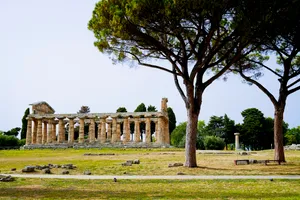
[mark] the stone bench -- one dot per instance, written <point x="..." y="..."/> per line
<point x="242" y="162"/>
<point x="271" y="161"/>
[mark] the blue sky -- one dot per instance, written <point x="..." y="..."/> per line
<point x="47" y="54"/>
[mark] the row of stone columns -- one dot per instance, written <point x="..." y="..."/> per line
<point x="43" y="131"/>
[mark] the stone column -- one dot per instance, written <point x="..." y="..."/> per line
<point x="49" y="133"/>
<point x="92" y="131"/>
<point x="166" y="131"/>
<point x="237" y="142"/>
<point x="44" y="134"/>
<point x="54" y="139"/>
<point x="61" y="130"/>
<point x="108" y="131"/>
<point x="164" y="105"/>
<point x="99" y="131"/>
<point x="103" y="130"/>
<point x="159" y="131"/>
<point x="81" y="130"/>
<point x="39" y="131"/>
<point x="29" y="131"/>
<point x="34" y="133"/>
<point x="114" y="130"/>
<point x="126" y="130"/>
<point x="71" y="131"/>
<point x="148" y="130"/>
<point x="156" y="129"/>
<point x="118" y="132"/>
<point x="137" y="132"/>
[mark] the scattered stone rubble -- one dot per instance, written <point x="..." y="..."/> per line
<point x="99" y="154"/>
<point x="292" y="147"/>
<point x="46" y="169"/>
<point x="175" y="164"/>
<point x="87" y="172"/>
<point x="6" y="178"/>
<point x="130" y="162"/>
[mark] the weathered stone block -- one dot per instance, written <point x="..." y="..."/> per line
<point x="175" y="165"/>
<point x="65" y="172"/>
<point x="136" y="161"/>
<point x="28" y="169"/>
<point x="46" y="171"/>
<point x="6" y="178"/>
<point x="87" y="172"/>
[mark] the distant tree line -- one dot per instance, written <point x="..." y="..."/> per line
<point x="256" y="132"/>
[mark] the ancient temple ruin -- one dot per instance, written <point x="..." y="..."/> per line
<point x="46" y="129"/>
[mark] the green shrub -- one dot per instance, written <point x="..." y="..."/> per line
<point x="178" y="135"/>
<point x="22" y="142"/>
<point x="213" y="143"/>
<point x="8" y="140"/>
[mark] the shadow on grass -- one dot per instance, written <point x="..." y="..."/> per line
<point x="49" y="193"/>
<point x="212" y="168"/>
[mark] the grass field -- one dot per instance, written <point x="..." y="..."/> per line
<point x="153" y="162"/>
<point x="150" y="189"/>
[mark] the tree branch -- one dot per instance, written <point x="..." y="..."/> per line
<point x="295" y="82"/>
<point x="260" y="86"/>
<point x="178" y="87"/>
<point x="294" y="90"/>
<point x="152" y="66"/>
<point x="268" y="68"/>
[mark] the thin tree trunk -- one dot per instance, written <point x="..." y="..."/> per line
<point x="191" y="137"/>
<point x="278" y="134"/>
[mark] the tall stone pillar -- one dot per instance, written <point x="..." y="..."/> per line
<point x="54" y="139"/>
<point x="103" y="130"/>
<point x="237" y="141"/>
<point x="61" y="130"/>
<point x="39" y="131"/>
<point x="156" y="128"/>
<point x="81" y="130"/>
<point x="92" y="131"/>
<point x="118" y="139"/>
<point x="164" y="105"/>
<point x="109" y="131"/>
<point x="114" y="130"/>
<point x="148" y="130"/>
<point x="137" y="132"/>
<point x="45" y="131"/>
<point x="126" y="130"/>
<point x="71" y="131"/>
<point x="34" y="133"/>
<point x="166" y="131"/>
<point x="99" y="131"/>
<point x="29" y="131"/>
<point x="49" y="132"/>
<point x="159" y="131"/>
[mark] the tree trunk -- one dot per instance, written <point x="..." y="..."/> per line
<point x="191" y="137"/>
<point x="278" y="134"/>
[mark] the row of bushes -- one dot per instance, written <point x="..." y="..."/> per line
<point x="10" y="141"/>
<point x="206" y="142"/>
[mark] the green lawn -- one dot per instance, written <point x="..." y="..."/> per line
<point x="153" y="162"/>
<point x="150" y="189"/>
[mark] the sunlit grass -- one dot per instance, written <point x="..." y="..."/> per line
<point x="150" y="189"/>
<point x="153" y="162"/>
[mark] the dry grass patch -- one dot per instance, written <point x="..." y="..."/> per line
<point x="153" y="162"/>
